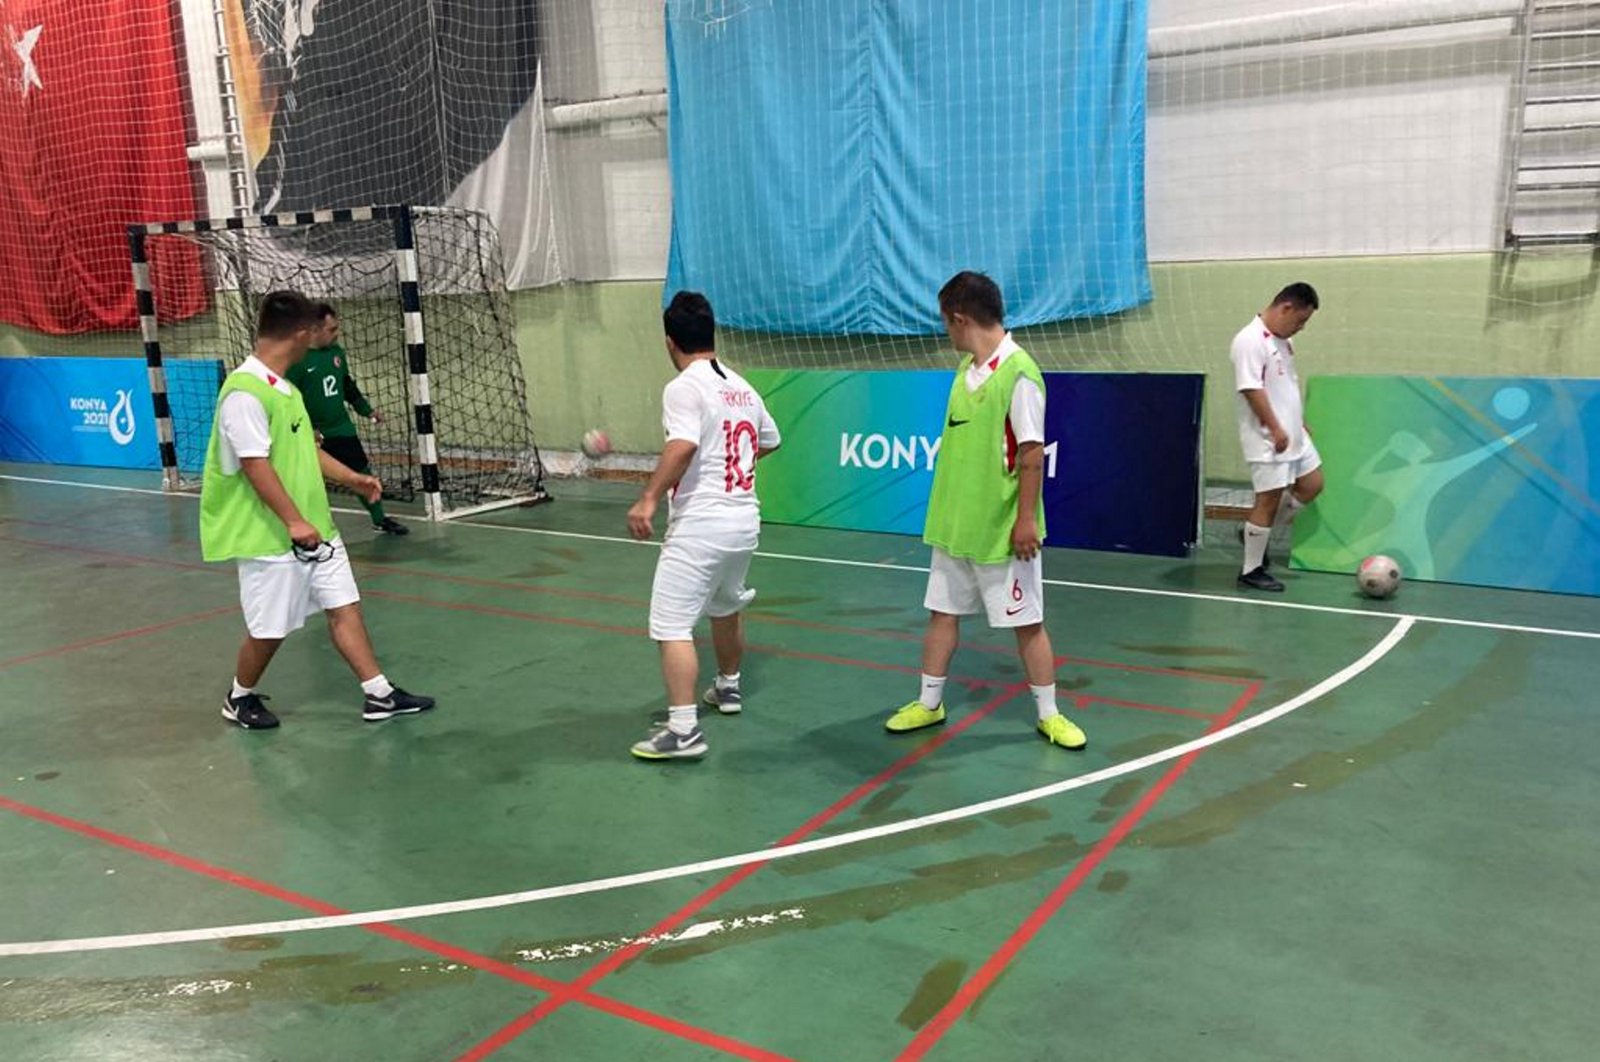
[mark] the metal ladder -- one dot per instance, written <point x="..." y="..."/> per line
<point x="1552" y="196"/>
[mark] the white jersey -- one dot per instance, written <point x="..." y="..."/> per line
<point x="712" y="406"/>
<point x="1025" y="423"/>
<point x="1265" y="362"/>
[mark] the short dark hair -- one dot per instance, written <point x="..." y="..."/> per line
<point x="1300" y="295"/>
<point x="325" y="310"/>
<point x="974" y="295"/>
<point x="690" y="324"/>
<point x="283" y="313"/>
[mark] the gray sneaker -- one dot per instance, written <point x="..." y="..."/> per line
<point x="728" y="702"/>
<point x="663" y="744"/>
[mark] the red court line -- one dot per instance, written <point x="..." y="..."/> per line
<point x="440" y="948"/>
<point x="1086" y="699"/>
<point x="108" y="639"/>
<point x="640" y="632"/>
<point x="131" y="557"/>
<point x="756" y="615"/>
<point x="618" y="959"/>
<point x="980" y="981"/>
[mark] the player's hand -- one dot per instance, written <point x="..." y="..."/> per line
<point x="370" y="488"/>
<point x="641" y="518"/>
<point x="1280" y="440"/>
<point x="377" y="416"/>
<point x="1025" y="538"/>
<point x="303" y="534"/>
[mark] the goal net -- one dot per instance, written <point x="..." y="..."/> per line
<point x="426" y="325"/>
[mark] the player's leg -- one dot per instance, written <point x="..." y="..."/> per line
<point x="334" y="591"/>
<point x="243" y="705"/>
<point x="678" y="598"/>
<point x="275" y="597"/>
<point x="1013" y="597"/>
<point x="1308" y="481"/>
<point x="952" y="593"/>
<point x="1270" y="479"/>
<point x="348" y="451"/>
<point x="728" y="602"/>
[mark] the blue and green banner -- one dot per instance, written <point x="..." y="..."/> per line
<point x="1122" y="454"/>
<point x="1481" y="480"/>
<point x="98" y="411"/>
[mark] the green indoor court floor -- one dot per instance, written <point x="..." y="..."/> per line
<point x="1390" y="850"/>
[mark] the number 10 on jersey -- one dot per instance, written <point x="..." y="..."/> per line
<point x="739" y="472"/>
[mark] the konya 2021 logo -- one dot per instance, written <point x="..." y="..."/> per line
<point x="117" y="420"/>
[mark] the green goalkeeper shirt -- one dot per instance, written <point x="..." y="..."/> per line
<point x="324" y="380"/>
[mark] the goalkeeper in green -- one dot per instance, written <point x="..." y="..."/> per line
<point x="325" y="382"/>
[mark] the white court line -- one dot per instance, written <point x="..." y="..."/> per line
<point x="1189" y="595"/>
<point x="764" y="855"/>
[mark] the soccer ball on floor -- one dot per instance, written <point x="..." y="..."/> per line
<point x="596" y="443"/>
<point x="1378" y="576"/>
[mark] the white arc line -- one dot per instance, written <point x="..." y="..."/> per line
<point x="623" y="881"/>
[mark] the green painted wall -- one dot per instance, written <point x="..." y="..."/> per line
<point x="594" y="357"/>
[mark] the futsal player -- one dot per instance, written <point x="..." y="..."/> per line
<point x="717" y="428"/>
<point x="263" y="505"/>
<point x="985" y="515"/>
<point x="327" y="386"/>
<point x="1285" y="468"/>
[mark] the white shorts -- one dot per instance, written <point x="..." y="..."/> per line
<point x="1010" y="593"/>
<point x="698" y="576"/>
<point x="278" y="593"/>
<point x="1276" y="475"/>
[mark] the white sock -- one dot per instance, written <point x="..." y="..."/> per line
<point x="728" y="682"/>
<point x="240" y="691"/>
<point x="682" y="719"/>
<point x="1289" y="508"/>
<point x="1044" y="699"/>
<point x="932" y="694"/>
<point x="377" y="686"/>
<point x="1255" y="546"/>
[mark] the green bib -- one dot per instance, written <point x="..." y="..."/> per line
<point x="234" y="521"/>
<point x="973" y="506"/>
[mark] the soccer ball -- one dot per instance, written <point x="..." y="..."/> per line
<point x="1378" y="576"/>
<point x="596" y="443"/>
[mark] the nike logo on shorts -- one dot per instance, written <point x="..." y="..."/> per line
<point x="954" y="423"/>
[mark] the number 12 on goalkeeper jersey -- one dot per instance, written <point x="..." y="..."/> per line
<point x="715" y="408"/>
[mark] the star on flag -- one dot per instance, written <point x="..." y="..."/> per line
<point x="23" y="45"/>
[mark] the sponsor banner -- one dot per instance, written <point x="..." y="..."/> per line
<point x="1122" y="454"/>
<point x="1491" y="481"/>
<point x="98" y="411"/>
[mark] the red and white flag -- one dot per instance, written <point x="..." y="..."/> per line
<point x="94" y="119"/>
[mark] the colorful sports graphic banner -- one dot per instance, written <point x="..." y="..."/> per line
<point x="98" y="411"/>
<point x="1488" y="481"/>
<point x="1122" y="455"/>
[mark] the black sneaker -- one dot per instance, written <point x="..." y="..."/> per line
<point x="1261" y="580"/>
<point x="248" y="711"/>
<point x="391" y="526"/>
<point x="399" y="702"/>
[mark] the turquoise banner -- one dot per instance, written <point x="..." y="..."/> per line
<point x="98" y="411"/>
<point x="1488" y="481"/>
<point x="859" y="450"/>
